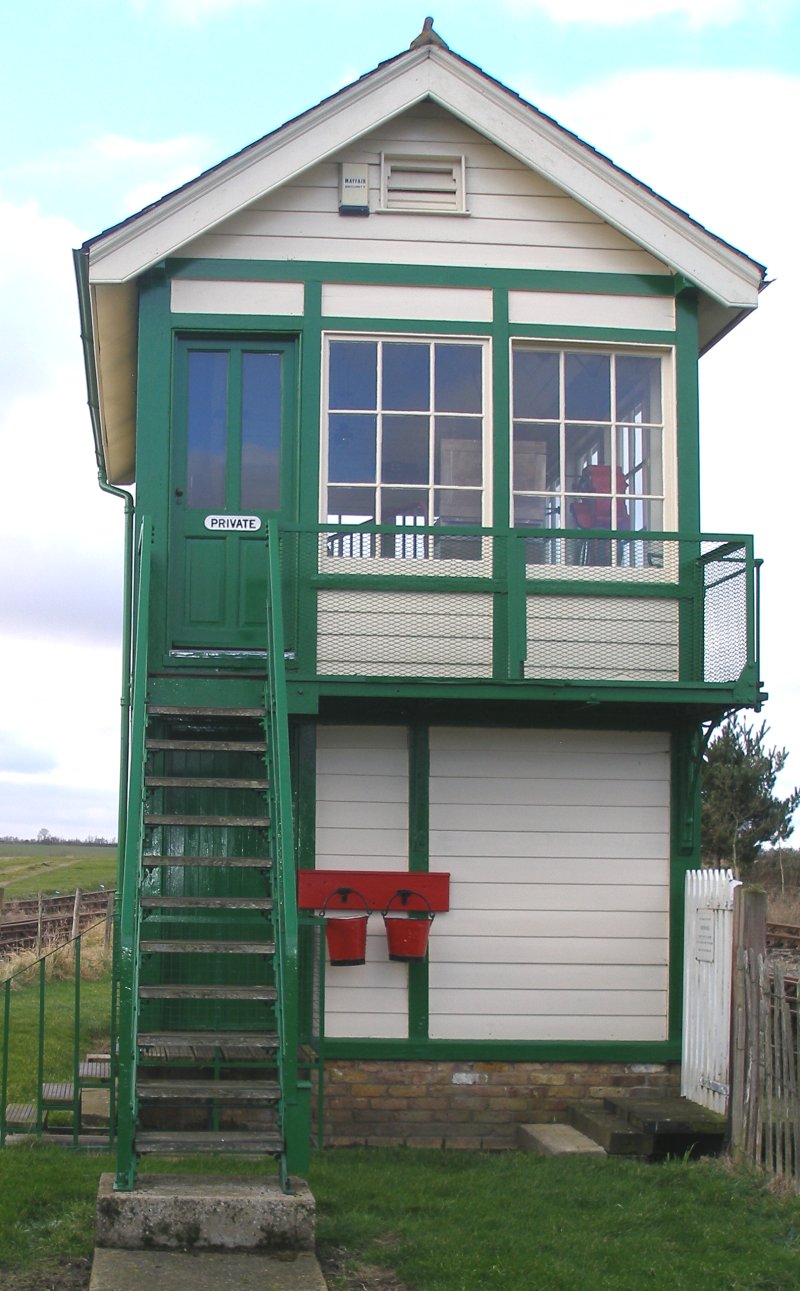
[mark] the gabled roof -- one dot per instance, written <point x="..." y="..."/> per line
<point x="728" y="280"/>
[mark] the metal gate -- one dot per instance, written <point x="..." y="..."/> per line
<point x="707" y="973"/>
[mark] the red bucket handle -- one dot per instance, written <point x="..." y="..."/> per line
<point x="405" y="895"/>
<point x="344" y="893"/>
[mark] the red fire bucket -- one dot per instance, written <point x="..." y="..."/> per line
<point x="407" y="930"/>
<point x="346" y="931"/>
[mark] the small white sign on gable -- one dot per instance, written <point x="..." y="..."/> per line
<point x="233" y="524"/>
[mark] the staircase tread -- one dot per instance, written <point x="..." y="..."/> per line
<point x="222" y="862"/>
<point x="209" y="746"/>
<point x="20" y="1113"/>
<point x="197" y="991"/>
<point x="157" y="945"/>
<point x="220" y="822"/>
<point x="58" y="1091"/>
<point x="204" y="782"/>
<point x="177" y="710"/>
<point x="237" y="1091"/>
<point x="95" y="1069"/>
<point x="668" y="1115"/>
<point x="242" y="1141"/>
<point x="208" y="1039"/>
<point x="207" y="903"/>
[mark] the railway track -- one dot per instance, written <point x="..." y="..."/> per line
<point x="783" y="935"/>
<point x="21" y="926"/>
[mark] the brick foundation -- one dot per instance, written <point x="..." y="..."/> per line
<point x="467" y="1104"/>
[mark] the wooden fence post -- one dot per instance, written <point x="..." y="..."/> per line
<point x="39" y="925"/>
<point x="749" y="945"/>
<point x="76" y="914"/>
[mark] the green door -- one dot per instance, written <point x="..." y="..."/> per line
<point x="231" y="469"/>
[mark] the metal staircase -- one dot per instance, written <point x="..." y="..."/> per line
<point x="208" y="1047"/>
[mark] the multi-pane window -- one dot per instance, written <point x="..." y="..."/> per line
<point x="588" y="445"/>
<point x="405" y="432"/>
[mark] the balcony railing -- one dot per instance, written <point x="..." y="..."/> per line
<point x="562" y="607"/>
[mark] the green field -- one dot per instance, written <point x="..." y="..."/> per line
<point x="28" y="868"/>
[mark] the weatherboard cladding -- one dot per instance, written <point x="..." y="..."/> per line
<point x="557" y="843"/>
<point x="516" y="217"/>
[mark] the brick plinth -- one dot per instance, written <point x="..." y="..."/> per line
<point x="468" y="1104"/>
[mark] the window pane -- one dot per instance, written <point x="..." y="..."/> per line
<point x="535" y="384"/>
<point x="459" y="378"/>
<point x="404" y="506"/>
<point x="353" y="374"/>
<point x="405" y="450"/>
<point x="351" y="506"/>
<point x="638" y="388"/>
<point x="459" y="451"/>
<point x="206" y="438"/>
<point x="587" y="380"/>
<point x="261" y="432"/>
<point x="458" y="506"/>
<point x="351" y="448"/>
<point x="406" y="377"/>
<point x="536" y="458"/>
<point x="587" y="447"/>
<point x="639" y="459"/>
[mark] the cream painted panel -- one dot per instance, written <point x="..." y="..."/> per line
<point x="357" y="301"/>
<point x="579" y="310"/>
<point x="463" y="952"/>
<point x="206" y="296"/>
<point x="542" y="1027"/>
<point x="546" y="977"/>
<point x="602" y="941"/>
<point x="404" y="634"/>
<point x="362" y="823"/>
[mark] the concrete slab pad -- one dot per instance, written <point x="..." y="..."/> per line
<point x="557" y="1141"/>
<point x="205" y="1271"/>
<point x="191" y="1212"/>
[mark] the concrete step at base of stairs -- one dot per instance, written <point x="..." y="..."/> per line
<point x="615" y="1134"/>
<point x="556" y="1140"/>
<point x="677" y="1125"/>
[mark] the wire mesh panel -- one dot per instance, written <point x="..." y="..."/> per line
<point x="408" y="634"/>
<point x="726" y="579"/>
<point x="608" y="638"/>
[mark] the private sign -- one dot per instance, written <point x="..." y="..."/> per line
<point x="243" y="524"/>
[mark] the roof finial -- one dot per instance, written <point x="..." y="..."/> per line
<point x="428" y="37"/>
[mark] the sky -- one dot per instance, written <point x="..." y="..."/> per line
<point x="108" y="104"/>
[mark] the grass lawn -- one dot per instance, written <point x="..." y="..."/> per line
<point x="28" y="868"/>
<point x="466" y="1221"/>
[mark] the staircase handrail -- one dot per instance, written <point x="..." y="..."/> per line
<point x="130" y="879"/>
<point x="283" y="860"/>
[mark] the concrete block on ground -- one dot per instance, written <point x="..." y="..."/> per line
<point x="557" y="1141"/>
<point x="209" y="1213"/>
<point x="115" y="1270"/>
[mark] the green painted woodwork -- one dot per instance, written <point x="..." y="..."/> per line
<point x="418" y="861"/>
<point x="216" y="580"/>
<point x="506" y="1051"/>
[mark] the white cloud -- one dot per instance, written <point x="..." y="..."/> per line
<point x="617" y="13"/>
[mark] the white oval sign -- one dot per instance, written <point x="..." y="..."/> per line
<point x="242" y="524"/>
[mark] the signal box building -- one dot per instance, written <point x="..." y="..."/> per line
<point x="418" y="600"/>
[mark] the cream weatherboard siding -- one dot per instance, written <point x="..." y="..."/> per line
<point x="362" y="824"/>
<point x="558" y="847"/>
<point x="514" y="216"/>
<point x="608" y="638"/>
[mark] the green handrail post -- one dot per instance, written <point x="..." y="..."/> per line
<point x="40" y="1052"/>
<point x="295" y="1101"/>
<point x="4" y="1073"/>
<point x="128" y="961"/>
<point x="76" y="1046"/>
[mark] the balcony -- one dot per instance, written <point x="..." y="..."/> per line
<point x="569" y="613"/>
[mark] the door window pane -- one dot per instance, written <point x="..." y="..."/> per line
<point x="207" y="429"/>
<point x="261" y="432"/>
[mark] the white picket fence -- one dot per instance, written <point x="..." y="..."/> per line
<point x="707" y="975"/>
